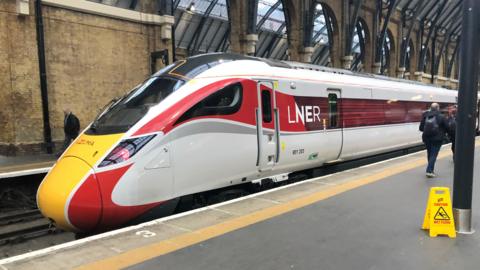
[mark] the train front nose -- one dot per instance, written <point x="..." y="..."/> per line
<point x="58" y="199"/>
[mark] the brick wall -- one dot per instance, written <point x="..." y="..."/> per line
<point x="90" y="60"/>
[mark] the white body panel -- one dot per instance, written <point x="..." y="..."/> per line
<point x="200" y="157"/>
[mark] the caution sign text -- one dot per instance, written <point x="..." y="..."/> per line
<point x="438" y="215"/>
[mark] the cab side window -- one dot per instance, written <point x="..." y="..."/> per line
<point x="223" y="102"/>
<point x="266" y="106"/>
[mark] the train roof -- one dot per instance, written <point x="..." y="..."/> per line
<point x="298" y="65"/>
<point x="194" y="66"/>
<point x="191" y="67"/>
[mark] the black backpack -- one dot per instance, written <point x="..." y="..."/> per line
<point x="452" y="125"/>
<point x="431" y="126"/>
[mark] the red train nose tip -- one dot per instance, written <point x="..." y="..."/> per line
<point x="85" y="208"/>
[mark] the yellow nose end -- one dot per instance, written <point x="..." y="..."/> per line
<point x="57" y="188"/>
<point x="68" y="173"/>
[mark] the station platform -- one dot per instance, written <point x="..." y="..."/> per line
<point x="365" y="218"/>
<point x="25" y="165"/>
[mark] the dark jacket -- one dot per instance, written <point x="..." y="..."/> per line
<point x="71" y="125"/>
<point x="442" y="124"/>
<point x="451" y="127"/>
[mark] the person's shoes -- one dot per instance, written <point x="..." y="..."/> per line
<point x="431" y="175"/>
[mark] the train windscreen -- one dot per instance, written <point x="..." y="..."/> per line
<point x="123" y="113"/>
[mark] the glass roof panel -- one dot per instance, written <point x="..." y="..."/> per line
<point x="320" y="32"/>
<point x="220" y="10"/>
<point x="276" y="18"/>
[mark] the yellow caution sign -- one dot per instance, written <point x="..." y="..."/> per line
<point x="438" y="215"/>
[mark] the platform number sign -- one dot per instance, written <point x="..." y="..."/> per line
<point x="145" y="233"/>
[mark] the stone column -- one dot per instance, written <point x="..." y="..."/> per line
<point x="347" y="61"/>
<point x="242" y="41"/>
<point x="23" y="7"/>
<point x="306" y="54"/>
<point x="377" y="66"/>
<point x="401" y="72"/>
<point x="250" y="44"/>
<point x="166" y="27"/>
<point x="418" y="76"/>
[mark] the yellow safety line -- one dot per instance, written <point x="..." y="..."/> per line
<point x="163" y="247"/>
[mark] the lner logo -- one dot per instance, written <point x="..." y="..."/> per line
<point x="305" y="114"/>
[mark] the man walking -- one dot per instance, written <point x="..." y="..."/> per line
<point x="71" y="127"/>
<point x="452" y="125"/>
<point x="433" y="126"/>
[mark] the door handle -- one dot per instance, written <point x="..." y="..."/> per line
<point x="277" y="134"/>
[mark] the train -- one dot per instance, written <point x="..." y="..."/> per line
<point x="219" y="120"/>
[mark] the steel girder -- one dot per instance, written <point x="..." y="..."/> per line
<point x="176" y="22"/>
<point x="286" y="13"/>
<point x="267" y="15"/>
<point x="327" y="25"/>
<point x="446" y="41"/>
<point x="423" y="48"/>
<point x="194" y="43"/>
<point x="324" y="52"/>
<point x="133" y="4"/>
<point x="319" y="33"/>
<point x="274" y="42"/>
<point x="406" y="38"/>
<point x="175" y="4"/>
<point x="165" y="7"/>
<point x="452" y="59"/>
<point x="328" y="14"/>
<point x="265" y="18"/>
<point x="220" y="24"/>
<point x="252" y="16"/>
<point x="361" y="43"/>
<point x="351" y="27"/>
<point x="386" y="51"/>
<point x="308" y="12"/>
<point x="223" y="43"/>
<point x="383" y="33"/>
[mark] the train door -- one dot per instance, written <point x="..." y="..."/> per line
<point x="268" y="130"/>
<point x="334" y="123"/>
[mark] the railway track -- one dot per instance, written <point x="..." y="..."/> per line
<point x="21" y="225"/>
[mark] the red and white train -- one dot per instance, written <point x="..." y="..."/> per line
<point x="218" y="120"/>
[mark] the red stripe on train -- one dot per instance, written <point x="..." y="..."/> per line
<point x="297" y="113"/>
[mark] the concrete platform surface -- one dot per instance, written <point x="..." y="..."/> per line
<point x="365" y="218"/>
<point x="25" y="165"/>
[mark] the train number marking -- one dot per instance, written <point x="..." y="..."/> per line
<point x="146" y="233"/>
<point x="87" y="142"/>
<point x="298" y="152"/>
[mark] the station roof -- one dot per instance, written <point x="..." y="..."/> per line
<point x="203" y="25"/>
<point x="443" y="14"/>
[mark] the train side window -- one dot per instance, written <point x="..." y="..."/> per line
<point x="223" y="102"/>
<point x="266" y="106"/>
<point x="332" y="111"/>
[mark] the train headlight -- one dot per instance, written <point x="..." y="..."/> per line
<point x="125" y="150"/>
